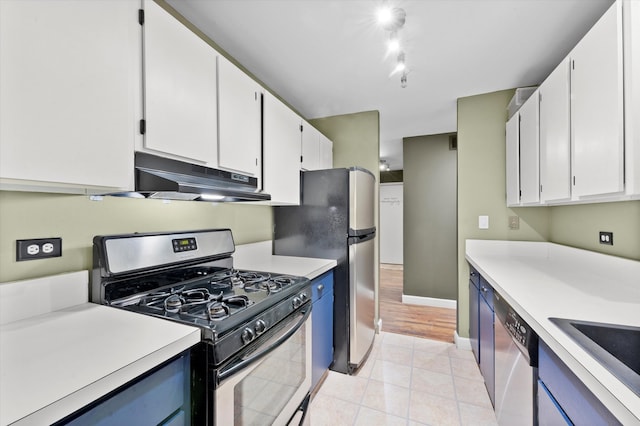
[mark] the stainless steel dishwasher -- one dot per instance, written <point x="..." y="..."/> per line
<point x="516" y="367"/>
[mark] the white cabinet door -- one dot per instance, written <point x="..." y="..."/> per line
<point x="529" y="154"/>
<point x="513" y="160"/>
<point x="597" y="108"/>
<point x="69" y="85"/>
<point x="239" y="109"/>
<point x="310" y="147"/>
<point x="281" y="173"/>
<point x="632" y="96"/>
<point x="555" y="135"/>
<point x="180" y="90"/>
<point x="326" y="152"/>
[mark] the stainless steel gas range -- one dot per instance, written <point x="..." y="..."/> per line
<point x="254" y="363"/>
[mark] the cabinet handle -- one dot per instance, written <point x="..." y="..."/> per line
<point x="484" y="289"/>
<point x="320" y="287"/>
<point x="473" y="274"/>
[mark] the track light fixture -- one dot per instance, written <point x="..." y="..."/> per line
<point x="393" y="19"/>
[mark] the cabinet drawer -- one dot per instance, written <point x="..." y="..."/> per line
<point x="474" y="276"/>
<point x="486" y="291"/>
<point x="322" y="285"/>
<point x="575" y="399"/>
<point x="159" y="398"/>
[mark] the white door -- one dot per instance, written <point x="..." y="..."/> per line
<point x="391" y="226"/>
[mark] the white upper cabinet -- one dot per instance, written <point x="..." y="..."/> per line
<point x="239" y="120"/>
<point x="513" y="160"/>
<point x="281" y="169"/>
<point x="180" y="90"/>
<point x="631" y="10"/>
<point x="326" y="152"/>
<point x="317" y="149"/>
<point x="70" y="89"/>
<point x="555" y="135"/>
<point x="310" y="147"/>
<point x="597" y="108"/>
<point x="529" y="151"/>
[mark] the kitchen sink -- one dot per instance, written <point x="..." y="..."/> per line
<point x="616" y="347"/>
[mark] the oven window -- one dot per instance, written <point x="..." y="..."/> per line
<point x="261" y="396"/>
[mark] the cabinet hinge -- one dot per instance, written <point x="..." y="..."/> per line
<point x="541" y="189"/>
<point x="141" y="16"/>
<point x="573" y="64"/>
<point x="143" y="127"/>
<point x="301" y="159"/>
<point x="540" y="99"/>
<point x="520" y="193"/>
<point x="301" y="128"/>
<point x="574" y="181"/>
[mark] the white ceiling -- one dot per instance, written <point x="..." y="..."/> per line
<point x="328" y="57"/>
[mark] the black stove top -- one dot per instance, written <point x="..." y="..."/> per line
<point x="217" y="299"/>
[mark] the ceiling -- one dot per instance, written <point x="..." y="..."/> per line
<point x="329" y="57"/>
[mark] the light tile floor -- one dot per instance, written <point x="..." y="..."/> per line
<point x="406" y="381"/>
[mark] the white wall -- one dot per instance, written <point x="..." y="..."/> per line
<point x="391" y="205"/>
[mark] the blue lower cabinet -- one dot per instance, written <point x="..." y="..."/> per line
<point x="549" y="411"/>
<point x="572" y="397"/>
<point x="322" y="327"/>
<point x="163" y="397"/>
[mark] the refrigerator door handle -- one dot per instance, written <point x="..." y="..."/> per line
<point x="361" y="238"/>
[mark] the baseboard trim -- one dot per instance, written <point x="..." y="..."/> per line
<point x="461" y="342"/>
<point x="429" y="301"/>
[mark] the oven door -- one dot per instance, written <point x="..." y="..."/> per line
<point x="267" y="383"/>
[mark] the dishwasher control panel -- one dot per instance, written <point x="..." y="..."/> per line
<point x="520" y="331"/>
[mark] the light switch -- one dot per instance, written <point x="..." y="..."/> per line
<point x="483" y="222"/>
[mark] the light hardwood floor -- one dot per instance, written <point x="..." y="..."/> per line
<point x="412" y="320"/>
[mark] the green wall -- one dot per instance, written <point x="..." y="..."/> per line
<point x="481" y="191"/>
<point x="579" y="225"/>
<point x="481" y="186"/>
<point x="356" y="142"/>
<point x="76" y="219"/>
<point x="430" y="218"/>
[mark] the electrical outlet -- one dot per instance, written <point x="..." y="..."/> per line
<point x="40" y="248"/>
<point x="606" y="238"/>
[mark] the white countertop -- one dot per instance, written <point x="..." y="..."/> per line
<point x="257" y="256"/>
<point x="56" y="362"/>
<point x="543" y="280"/>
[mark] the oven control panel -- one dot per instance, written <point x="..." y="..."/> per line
<point x="251" y="330"/>
<point x="184" y="244"/>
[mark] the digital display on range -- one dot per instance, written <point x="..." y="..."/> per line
<point x="184" y="244"/>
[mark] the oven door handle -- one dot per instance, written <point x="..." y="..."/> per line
<point x="284" y="335"/>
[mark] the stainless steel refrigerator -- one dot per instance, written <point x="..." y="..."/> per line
<point x="335" y="220"/>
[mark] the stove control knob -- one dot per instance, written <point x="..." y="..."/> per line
<point x="303" y="297"/>
<point x="296" y="302"/>
<point x="248" y="335"/>
<point x="260" y="326"/>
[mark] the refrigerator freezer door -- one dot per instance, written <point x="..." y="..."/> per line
<point x="361" y="300"/>
<point x="361" y="201"/>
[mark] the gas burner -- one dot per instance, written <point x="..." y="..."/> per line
<point x="173" y="303"/>
<point x="271" y="286"/>
<point x="217" y="311"/>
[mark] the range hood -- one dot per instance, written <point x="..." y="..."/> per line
<point x="158" y="177"/>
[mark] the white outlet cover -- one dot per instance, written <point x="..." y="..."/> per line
<point x="483" y="222"/>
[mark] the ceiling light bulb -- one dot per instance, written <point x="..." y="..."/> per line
<point x="384" y="15"/>
<point x="394" y="42"/>
<point x="391" y="18"/>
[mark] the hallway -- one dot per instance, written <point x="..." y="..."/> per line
<point x="413" y="320"/>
